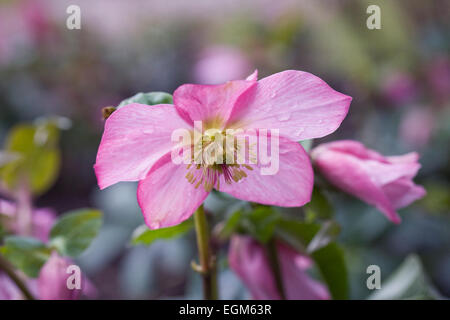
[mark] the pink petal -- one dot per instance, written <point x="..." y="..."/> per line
<point x="350" y="175"/>
<point x="385" y="173"/>
<point x="135" y="137"/>
<point x="403" y="192"/>
<point x="211" y="104"/>
<point x="52" y="281"/>
<point x="351" y="147"/>
<point x="253" y="76"/>
<point x="249" y="260"/>
<point x="291" y="186"/>
<point x="165" y="195"/>
<point x="298" y="285"/>
<point x="298" y="103"/>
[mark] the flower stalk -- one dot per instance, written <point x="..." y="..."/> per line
<point x="7" y="268"/>
<point x="275" y="266"/>
<point x="207" y="267"/>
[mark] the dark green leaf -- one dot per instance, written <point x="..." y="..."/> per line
<point x="331" y="263"/>
<point x="144" y="235"/>
<point x="74" y="232"/>
<point x="318" y="207"/>
<point x="327" y="233"/>
<point x="261" y="223"/>
<point x="150" y="98"/>
<point x="26" y="254"/>
<point x="231" y="224"/>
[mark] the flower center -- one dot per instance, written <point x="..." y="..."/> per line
<point x="215" y="153"/>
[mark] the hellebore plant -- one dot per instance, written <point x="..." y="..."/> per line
<point x="137" y="146"/>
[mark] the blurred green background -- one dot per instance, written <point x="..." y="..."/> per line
<point x="398" y="76"/>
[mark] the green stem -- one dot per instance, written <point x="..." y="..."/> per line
<point x="207" y="261"/>
<point x="275" y="266"/>
<point x="6" y="267"/>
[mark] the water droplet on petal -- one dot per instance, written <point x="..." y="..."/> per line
<point x="284" y="117"/>
<point x="155" y="225"/>
<point x="299" y="132"/>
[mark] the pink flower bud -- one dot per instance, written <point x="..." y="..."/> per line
<point x="384" y="182"/>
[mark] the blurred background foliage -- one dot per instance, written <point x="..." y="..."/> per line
<point x="398" y="76"/>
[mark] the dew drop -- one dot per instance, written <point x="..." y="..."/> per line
<point x="155" y="225"/>
<point x="299" y="131"/>
<point x="284" y="117"/>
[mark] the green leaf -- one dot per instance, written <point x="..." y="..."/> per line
<point x="409" y="281"/>
<point x="150" y="98"/>
<point x="319" y="206"/>
<point x="38" y="159"/>
<point x="26" y="254"/>
<point x="74" y="232"/>
<point x="331" y="263"/>
<point x="261" y="223"/>
<point x="231" y="225"/>
<point x="329" y="258"/>
<point x="146" y="236"/>
<point x="327" y="233"/>
<point x="298" y="234"/>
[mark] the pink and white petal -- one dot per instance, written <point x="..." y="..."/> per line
<point x="165" y="195"/>
<point x="298" y="103"/>
<point x="135" y="137"/>
<point x="350" y="175"/>
<point x="403" y="192"/>
<point x="211" y="104"/>
<point x="290" y="186"/>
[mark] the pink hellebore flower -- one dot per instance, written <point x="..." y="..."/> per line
<point x="41" y="220"/>
<point x="249" y="260"/>
<point x="136" y="143"/>
<point x="385" y="182"/>
<point x="53" y="277"/>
